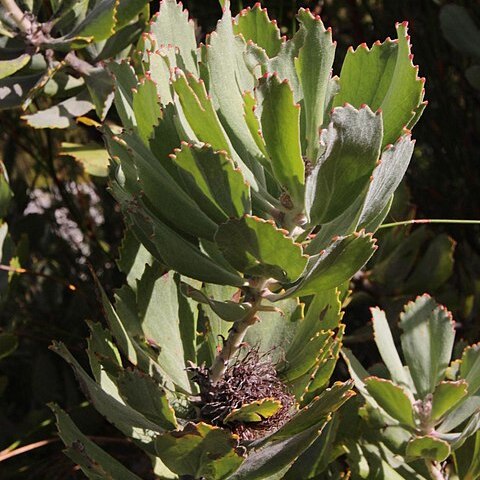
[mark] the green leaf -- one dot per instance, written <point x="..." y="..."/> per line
<point x="144" y="395"/>
<point x="333" y="266"/>
<point x="8" y="344"/>
<point x="284" y="63"/>
<point x="255" y="25"/>
<point x="316" y="459"/>
<point x="125" y="82"/>
<point x="99" y="24"/>
<point x="9" y="67"/>
<point x="199" y="111"/>
<point x="125" y="418"/>
<point x="386" y="178"/>
<point x="170" y="26"/>
<point x="313" y="335"/>
<point x="428" y="447"/>
<point x="323" y="313"/>
<point x="314" y="65"/>
<point x="93" y="158"/>
<point x="275" y="329"/>
<point x="167" y="198"/>
<point x="127" y="10"/>
<point x="392" y="399"/>
<point x="358" y="374"/>
<point x="121" y="323"/>
<point x="427" y="342"/>
<point x="61" y="115"/>
<point x="183" y="256"/>
<point x="100" y="86"/>
<point x="255" y="411"/>
<point x="446" y="396"/>
<point x="460" y="30"/>
<point x="465" y="411"/>
<point x="165" y="320"/>
<point x="470" y="368"/>
<point x="319" y="409"/>
<point x="386" y="347"/>
<point x="271" y="460"/>
<point x="146" y="107"/>
<point x="133" y="257"/>
<point x="121" y="40"/>
<point x="228" y="310"/>
<point x="229" y="78"/>
<point x="214" y="181"/>
<point x="104" y="358"/>
<point x="95" y="463"/>
<point x="280" y="120"/>
<point x="253" y="124"/>
<point x="385" y="78"/>
<point x="200" y="450"/>
<point x="256" y="247"/>
<point x="343" y="172"/>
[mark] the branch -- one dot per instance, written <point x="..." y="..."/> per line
<point x="233" y="343"/>
<point x="434" y="470"/>
<point x="17" y="15"/>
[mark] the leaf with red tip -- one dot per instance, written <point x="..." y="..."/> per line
<point x="428" y="448"/>
<point x="257" y="247"/>
<point x="199" y="111"/>
<point x="385" y="78"/>
<point x="427" y="342"/>
<point x="386" y="178"/>
<point x="229" y="78"/>
<point x="200" y="451"/>
<point x="447" y="395"/>
<point x="93" y="460"/>
<point x="171" y="26"/>
<point x="99" y="23"/>
<point x="392" y="399"/>
<point x="125" y="81"/>
<point x="253" y="124"/>
<point x="280" y="121"/>
<point x="147" y="110"/>
<point x="314" y="65"/>
<point x="213" y="180"/>
<point x="167" y="198"/>
<point x="253" y="24"/>
<point x="352" y="142"/>
<point x="335" y="265"/>
<point x="388" y="351"/>
<point x="470" y="368"/>
<point x="254" y="411"/>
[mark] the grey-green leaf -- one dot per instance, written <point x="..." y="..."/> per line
<point x="427" y="342"/>
<point x="95" y="463"/>
<point x="352" y="140"/>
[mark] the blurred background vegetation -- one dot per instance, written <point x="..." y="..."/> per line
<point x="63" y="222"/>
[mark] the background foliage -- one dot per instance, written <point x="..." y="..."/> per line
<point x="63" y="221"/>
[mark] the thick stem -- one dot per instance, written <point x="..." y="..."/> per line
<point x="233" y="343"/>
<point x="81" y="66"/>
<point x="435" y="470"/>
<point x="17" y="15"/>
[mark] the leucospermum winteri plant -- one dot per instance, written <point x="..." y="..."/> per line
<point x="258" y="178"/>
